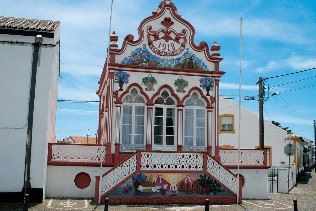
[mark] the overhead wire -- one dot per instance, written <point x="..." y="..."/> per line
<point x="292" y="82"/>
<point x="292" y="73"/>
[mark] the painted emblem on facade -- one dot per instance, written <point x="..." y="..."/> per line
<point x="121" y="78"/>
<point x="207" y="84"/>
<point x="149" y="82"/>
<point x="166" y="41"/>
<point x="142" y="57"/>
<point x="181" y="84"/>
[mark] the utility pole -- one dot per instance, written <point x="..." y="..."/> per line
<point x="261" y="120"/>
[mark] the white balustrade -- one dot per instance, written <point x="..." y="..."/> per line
<point x="118" y="174"/>
<point x="247" y="157"/>
<point x="172" y="161"/>
<point x="222" y="175"/>
<point x="77" y="153"/>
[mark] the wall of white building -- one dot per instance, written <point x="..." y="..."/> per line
<point x="15" y="77"/>
<point x="60" y="181"/>
<point x="256" y="183"/>
<point x="274" y="136"/>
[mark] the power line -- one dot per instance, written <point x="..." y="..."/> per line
<point x="292" y="73"/>
<point x="292" y="82"/>
<point x="296" y="89"/>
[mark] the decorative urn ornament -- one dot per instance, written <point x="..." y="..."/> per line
<point x="121" y="78"/>
<point x="149" y="82"/>
<point x="181" y="84"/>
<point x="207" y="84"/>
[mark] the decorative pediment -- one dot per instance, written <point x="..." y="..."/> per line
<point x="166" y="40"/>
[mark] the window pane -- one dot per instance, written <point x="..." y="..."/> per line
<point x="170" y="101"/>
<point x="200" y="122"/>
<point x="127" y="115"/>
<point x="158" y="111"/>
<point x="126" y="131"/>
<point x="160" y="100"/>
<point x="169" y="140"/>
<point x="188" y="141"/>
<point x="188" y="124"/>
<point x="139" y="139"/>
<point x="139" y="120"/>
<point x="200" y="137"/>
<point x="170" y="122"/>
<point x="139" y="129"/>
<point x="158" y="130"/>
<point x="169" y="130"/>
<point x="158" y="140"/>
<point x="139" y="99"/>
<point x="170" y="112"/>
<point x="158" y="121"/>
<point x="200" y="113"/>
<point x="139" y="110"/>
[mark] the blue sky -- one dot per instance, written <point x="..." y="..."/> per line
<point x="279" y="37"/>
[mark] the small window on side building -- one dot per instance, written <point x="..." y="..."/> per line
<point x="227" y="123"/>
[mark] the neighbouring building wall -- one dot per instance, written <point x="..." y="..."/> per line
<point x="62" y="181"/>
<point x="253" y="189"/>
<point x="274" y="136"/>
<point x="16" y="53"/>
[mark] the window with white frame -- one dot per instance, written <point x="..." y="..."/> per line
<point x="195" y="122"/>
<point x="227" y="123"/>
<point x="164" y="121"/>
<point x="133" y="119"/>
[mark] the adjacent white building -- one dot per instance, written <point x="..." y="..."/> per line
<point x="18" y="55"/>
<point x="275" y="139"/>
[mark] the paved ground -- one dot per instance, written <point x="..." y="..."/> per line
<point x="305" y="194"/>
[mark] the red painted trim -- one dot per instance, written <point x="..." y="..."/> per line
<point x="179" y="148"/>
<point x="117" y="153"/>
<point x="171" y="200"/>
<point x="121" y="97"/>
<point x="50" y="144"/>
<point x="205" y="162"/>
<point x="174" y="171"/>
<point x="129" y="39"/>
<point x="148" y="147"/>
<point x="138" y="161"/>
<point x="246" y="167"/>
<point x="97" y="198"/>
<point x="200" y="93"/>
<point x="170" y="90"/>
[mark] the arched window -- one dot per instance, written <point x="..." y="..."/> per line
<point x="133" y="119"/>
<point x="195" y="122"/>
<point x="164" y="122"/>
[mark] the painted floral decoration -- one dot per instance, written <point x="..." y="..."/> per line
<point x="207" y="83"/>
<point x="149" y="82"/>
<point x="143" y="57"/>
<point x="181" y="84"/>
<point x="138" y="179"/>
<point x="121" y="78"/>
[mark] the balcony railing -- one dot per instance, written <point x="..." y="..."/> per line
<point x="75" y="153"/>
<point x="248" y="157"/>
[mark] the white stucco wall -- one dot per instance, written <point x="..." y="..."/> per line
<point x="15" y="76"/>
<point x="273" y="135"/>
<point x="60" y="181"/>
<point x="256" y="183"/>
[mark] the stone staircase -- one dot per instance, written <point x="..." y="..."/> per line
<point x="169" y="164"/>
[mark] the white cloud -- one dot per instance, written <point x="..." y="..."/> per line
<point x="78" y="94"/>
<point x="294" y="62"/>
<point x="235" y="86"/>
